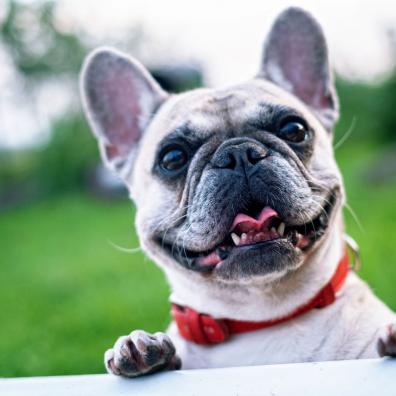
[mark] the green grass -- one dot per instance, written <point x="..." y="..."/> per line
<point x="66" y="293"/>
<point x="375" y="208"/>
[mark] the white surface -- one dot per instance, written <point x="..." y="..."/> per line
<point x="350" y="378"/>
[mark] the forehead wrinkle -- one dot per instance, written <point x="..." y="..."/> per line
<point x="272" y="110"/>
<point x="189" y="132"/>
<point x="224" y="111"/>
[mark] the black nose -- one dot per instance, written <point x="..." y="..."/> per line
<point x="238" y="156"/>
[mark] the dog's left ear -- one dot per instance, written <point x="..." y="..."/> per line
<point x="296" y="58"/>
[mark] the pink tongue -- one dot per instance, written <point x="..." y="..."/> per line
<point x="246" y="223"/>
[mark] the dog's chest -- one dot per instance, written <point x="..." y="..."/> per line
<point x="344" y="330"/>
<point x="288" y="343"/>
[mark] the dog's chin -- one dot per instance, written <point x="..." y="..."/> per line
<point x="271" y="250"/>
<point x="271" y="258"/>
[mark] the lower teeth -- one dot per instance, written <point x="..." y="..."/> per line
<point x="223" y="252"/>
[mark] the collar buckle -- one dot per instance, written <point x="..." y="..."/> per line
<point x="353" y="248"/>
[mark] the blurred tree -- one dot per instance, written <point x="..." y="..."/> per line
<point x="41" y="51"/>
<point x="38" y="47"/>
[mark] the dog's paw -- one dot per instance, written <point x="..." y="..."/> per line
<point x="386" y="344"/>
<point x="141" y="353"/>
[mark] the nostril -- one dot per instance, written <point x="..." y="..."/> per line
<point x="229" y="161"/>
<point x="225" y="160"/>
<point x="254" y="156"/>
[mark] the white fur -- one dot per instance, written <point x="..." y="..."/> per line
<point x="348" y="329"/>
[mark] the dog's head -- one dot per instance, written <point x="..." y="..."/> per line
<point x="230" y="184"/>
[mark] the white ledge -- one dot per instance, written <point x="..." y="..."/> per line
<point x="349" y="378"/>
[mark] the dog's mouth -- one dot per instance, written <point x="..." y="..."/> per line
<point x="257" y="229"/>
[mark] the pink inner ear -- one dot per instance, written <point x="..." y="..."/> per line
<point x="298" y="64"/>
<point x="121" y="96"/>
<point x="122" y="112"/>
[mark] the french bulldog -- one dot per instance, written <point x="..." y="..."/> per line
<point x="239" y="200"/>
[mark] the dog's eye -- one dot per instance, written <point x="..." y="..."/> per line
<point x="173" y="159"/>
<point x="293" y="131"/>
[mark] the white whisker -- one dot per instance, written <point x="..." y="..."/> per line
<point x="346" y="134"/>
<point x="123" y="249"/>
<point x="355" y="217"/>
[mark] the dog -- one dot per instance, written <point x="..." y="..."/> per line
<point x="239" y="200"/>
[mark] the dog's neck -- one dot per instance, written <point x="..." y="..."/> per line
<point x="258" y="302"/>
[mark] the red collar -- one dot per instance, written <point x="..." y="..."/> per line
<point x="205" y="330"/>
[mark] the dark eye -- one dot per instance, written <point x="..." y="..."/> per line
<point x="293" y="131"/>
<point x="173" y="159"/>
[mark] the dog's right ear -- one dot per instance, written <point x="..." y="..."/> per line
<point x="120" y="97"/>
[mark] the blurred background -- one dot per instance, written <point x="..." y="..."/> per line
<point x="67" y="288"/>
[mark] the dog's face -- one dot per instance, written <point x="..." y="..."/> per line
<point x="230" y="184"/>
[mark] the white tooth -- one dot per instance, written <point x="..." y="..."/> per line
<point x="243" y="237"/>
<point x="281" y="229"/>
<point x="273" y="230"/>
<point x="235" y="238"/>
